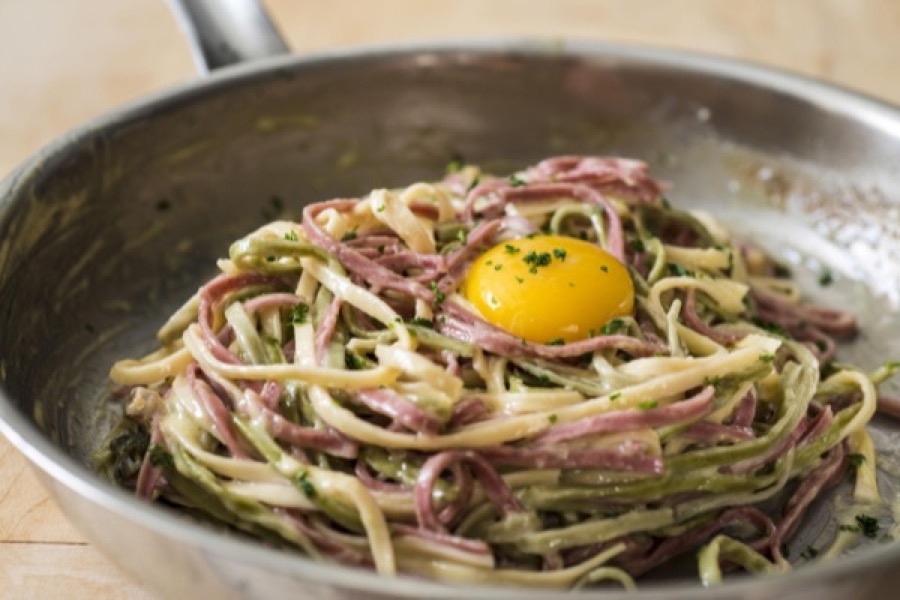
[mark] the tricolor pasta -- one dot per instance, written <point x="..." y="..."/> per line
<point x="342" y="388"/>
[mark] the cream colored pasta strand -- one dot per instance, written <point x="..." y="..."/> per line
<point x="313" y="375"/>
<point x="562" y="578"/>
<point x="868" y="403"/>
<point x="166" y="363"/>
<point x="417" y="366"/>
<point x="361" y="298"/>
<point x="672" y="329"/>
<point x="181" y="429"/>
<point x="698" y="259"/>
<point x="174" y="325"/>
<point x="393" y="212"/>
<point x="866" y="488"/>
<point x="498" y="431"/>
<point x="516" y="403"/>
<point x="728" y="294"/>
<point x="430" y="193"/>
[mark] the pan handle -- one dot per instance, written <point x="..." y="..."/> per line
<point x="226" y="32"/>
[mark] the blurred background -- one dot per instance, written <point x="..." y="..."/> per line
<point x="63" y="62"/>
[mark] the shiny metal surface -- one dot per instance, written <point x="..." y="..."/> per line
<point x="106" y="231"/>
<point x="225" y="32"/>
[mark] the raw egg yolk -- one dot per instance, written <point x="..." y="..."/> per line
<point x="548" y="288"/>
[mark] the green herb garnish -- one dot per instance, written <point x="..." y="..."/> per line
<point x="304" y="484"/>
<point x="856" y="459"/>
<point x="613" y="327"/>
<point x="455" y="165"/>
<point x="438" y="294"/>
<point x="868" y="526"/>
<point x="679" y="271"/>
<point x="421" y="322"/>
<point x="160" y="457"/>
<point x="537" y="259"/>
<point x="299" y="313"/>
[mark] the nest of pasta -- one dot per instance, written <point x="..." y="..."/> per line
<point x="332" y="390"/>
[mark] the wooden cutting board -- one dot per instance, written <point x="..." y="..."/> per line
<point x="64" y="62"/>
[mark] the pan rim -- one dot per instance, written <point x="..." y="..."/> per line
<point x="54" y="462"/>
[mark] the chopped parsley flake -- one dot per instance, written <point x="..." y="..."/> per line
<point x="537" y="259"/>
<point x="553" y="419"/>
<point x="304" y="484"/>
<point x="461" y="236"/>
<point x="510" y="249"/>
<point x="475" y="181"/>
<point x="438" y="294"/>
<point x="299" y="314"/>
<point x="291" y="236"/>
<point x="520" y="280"/>
<point x="868" y="526"/>
<point x="827" y="370"/>
<point x="679" y="271"/>
<point x="856" y="459"/>
<point x="613" y="327"/>
<point x="810" y="553"/>
<point x="421" y="322"/>
<point x="559" y="253"/>
<point x="516" y="181"/>
<point x="604" y="268"/>
<point x="636" y="245"/>
<point x="615" y="396"/>
<point x="160" y="457"/>
<point x="350" y="235"/>
<point x="455" y="164"/>
<point x="648" y="405"/>
<point x="766" y="357"/>
<point x="826" y="278"/>
<point x="353" y="361"/>
<point x="771" y="327"/>
<point x="498" y="266"/>
<point x="556" y="342"/>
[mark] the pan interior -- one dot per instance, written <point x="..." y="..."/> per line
<point x="106" y="236"/>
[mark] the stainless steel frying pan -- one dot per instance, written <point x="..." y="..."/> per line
<point x="109" y="228"/>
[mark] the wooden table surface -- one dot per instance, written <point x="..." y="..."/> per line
<point x="63" y="62"/>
